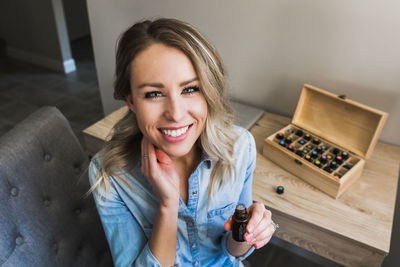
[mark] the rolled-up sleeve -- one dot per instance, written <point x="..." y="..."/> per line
<point x="128" y="243"/>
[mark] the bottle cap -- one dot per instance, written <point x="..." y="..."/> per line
<point x="280" y="189"/>
<point x="240" y="207"/>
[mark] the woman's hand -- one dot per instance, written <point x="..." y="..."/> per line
<point x="260" y="227"/>
<point x="161" y="173"/>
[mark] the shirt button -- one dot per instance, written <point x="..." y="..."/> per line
<point x="47" y="157"/>
<point x="196" y="263"/>
<point x="19" y="240"/>
<point x="193" y="245"/>
<point x="194" y="192"/>
<point x="14" y="191"/>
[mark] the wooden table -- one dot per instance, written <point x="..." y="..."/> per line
<point x="354" y="230"/>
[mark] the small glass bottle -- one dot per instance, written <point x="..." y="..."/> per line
<point x="239" y="222"/>
<point x="339" y="159"/>
<point x="280" y="136"/>
<point x="288" y="140"/>
<point x="316" y="140"/>
<point x="301" y="142"/>
<point x="333" y="165"/>
<point x="314" y="154"/>
<point x="290" y="147"/>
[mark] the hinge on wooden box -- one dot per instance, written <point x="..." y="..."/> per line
<point x="342" y="96"/>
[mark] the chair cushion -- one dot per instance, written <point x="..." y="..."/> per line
<point x="45" y="218"/>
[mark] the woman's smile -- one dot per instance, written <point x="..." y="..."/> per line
<point x="175" y="134"/>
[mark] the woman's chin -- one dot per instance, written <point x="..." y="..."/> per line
<point x="176" y="152"/>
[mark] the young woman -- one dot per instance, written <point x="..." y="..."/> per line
<point x="169" y="178"/>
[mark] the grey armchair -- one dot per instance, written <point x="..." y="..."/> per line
<point x="45" y="219"/>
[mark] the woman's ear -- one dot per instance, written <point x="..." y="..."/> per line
<point x="129" y="101"/>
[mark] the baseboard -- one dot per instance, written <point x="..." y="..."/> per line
<point x="65" y="66"/>
<point x="69" y="65"/>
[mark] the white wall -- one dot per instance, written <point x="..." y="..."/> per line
<point x="270" y="48"/>
<point x="35" y="31"/>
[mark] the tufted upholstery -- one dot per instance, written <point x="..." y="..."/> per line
<point x="45" y="220"/>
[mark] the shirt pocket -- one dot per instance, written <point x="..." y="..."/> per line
<point x="216" y="219"/>
<point x="147" y="232"/>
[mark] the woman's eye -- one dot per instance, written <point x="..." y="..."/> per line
<point x="191" y="90"/>
<point x="153" y="94"/>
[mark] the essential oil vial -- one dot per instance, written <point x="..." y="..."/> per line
<point x="279" y="136"/>
<point x="301" y="142"/>
<point x="290" y="147"/>
<point x="316" y="141"/>
<point x="299" y="133"/>
<point x="239" y="222"/>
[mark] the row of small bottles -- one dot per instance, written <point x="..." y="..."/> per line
<point x="314" y="150"/>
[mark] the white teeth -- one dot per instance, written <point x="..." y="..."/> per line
<point x="175" y="133"/>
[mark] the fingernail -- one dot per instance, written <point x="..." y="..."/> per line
<point x="250" y="228"/>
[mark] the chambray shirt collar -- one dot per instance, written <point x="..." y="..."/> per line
<point x="206" y="159"/>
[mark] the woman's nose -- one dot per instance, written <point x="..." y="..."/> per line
<point x="175" y="109"/>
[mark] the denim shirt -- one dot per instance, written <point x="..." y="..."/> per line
<point x="127" y="213"/>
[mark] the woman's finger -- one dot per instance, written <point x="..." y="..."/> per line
<point x="256" y="212"/>
<point x="264" y="223"/>
<point x="144" y="155"/>
<point x="228" y="224"/>
<point x="262" y="243"/>
<point x="266" y="233"/>
<point x="162" y="157"/>
<point x="152" y="159"/>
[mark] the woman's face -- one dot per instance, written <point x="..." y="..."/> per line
<point x="165" y="95"/>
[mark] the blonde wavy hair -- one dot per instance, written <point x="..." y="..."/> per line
<point x="217" y="140"/>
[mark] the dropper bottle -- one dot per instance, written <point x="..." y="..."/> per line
<point x="239" y="222"/>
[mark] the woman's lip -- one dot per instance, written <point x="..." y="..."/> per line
<point x="176" y="139"/>
<point x="175" y="128"/>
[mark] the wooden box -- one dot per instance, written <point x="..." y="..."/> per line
<point x="326" y="129"/>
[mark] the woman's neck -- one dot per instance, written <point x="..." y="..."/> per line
<point x="187" y="163"/>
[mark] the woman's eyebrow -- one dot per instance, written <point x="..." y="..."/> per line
<point x="188" y="81"/>
<point x="160" y="85"/>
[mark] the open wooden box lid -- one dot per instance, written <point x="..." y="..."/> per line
<point x="351" y="125"/>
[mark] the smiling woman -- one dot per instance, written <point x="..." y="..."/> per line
<point x="168" y="179"/>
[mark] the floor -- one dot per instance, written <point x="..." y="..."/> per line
<point x="24" y="88"/>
